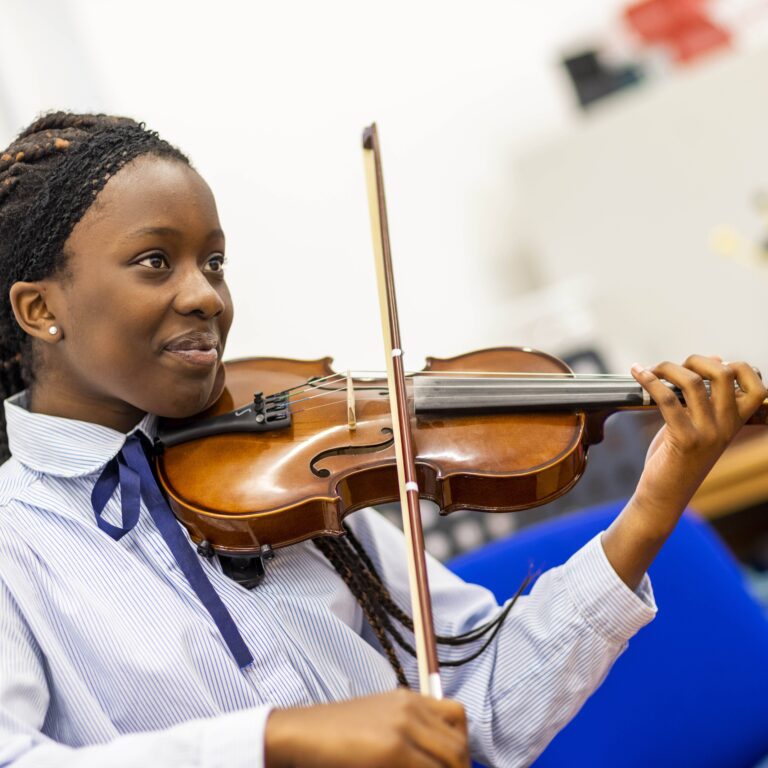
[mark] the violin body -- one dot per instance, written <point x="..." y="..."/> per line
<point x="240" y="492"/>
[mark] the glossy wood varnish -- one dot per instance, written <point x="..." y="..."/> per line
<point x="241" y="491"/>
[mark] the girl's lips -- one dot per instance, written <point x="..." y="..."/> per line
<point x="201" y="357"/>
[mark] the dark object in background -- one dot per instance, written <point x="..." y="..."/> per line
<point x="593" y="80"/>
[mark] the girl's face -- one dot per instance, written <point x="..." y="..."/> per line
<point x="143" y="308"/>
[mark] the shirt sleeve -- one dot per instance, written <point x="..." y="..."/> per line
<point x="554" y="649"/>
<point x="234" y="740"/>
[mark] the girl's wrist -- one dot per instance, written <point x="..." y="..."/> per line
<point x="635" y="537"/>
<point x="278" y="739"/>
<point x="653" y="518"/>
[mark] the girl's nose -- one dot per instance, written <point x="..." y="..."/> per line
<point x="197" y="295"/>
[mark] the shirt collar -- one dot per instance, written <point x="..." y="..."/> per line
<point x="63" y="447"/>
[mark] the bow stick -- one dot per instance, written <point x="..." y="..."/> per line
<point x="426" y="646"/>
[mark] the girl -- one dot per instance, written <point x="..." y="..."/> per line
<point x="119" y="645"/>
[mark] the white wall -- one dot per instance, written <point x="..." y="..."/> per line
<point x="270" y="99"/>
<point x="629" y="204"/>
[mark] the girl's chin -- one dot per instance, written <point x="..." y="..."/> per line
<point x="190" y="397"/>
<point x="218" y="386"/>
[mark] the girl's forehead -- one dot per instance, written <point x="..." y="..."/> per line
<point x="148" y="193"/>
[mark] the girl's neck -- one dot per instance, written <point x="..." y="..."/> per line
<point x="61" y="401"/>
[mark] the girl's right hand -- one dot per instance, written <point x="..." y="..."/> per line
<point x="401" y="728"/>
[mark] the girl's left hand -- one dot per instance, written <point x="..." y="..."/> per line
<point x="694" y="436"/>
<point x="682" y="453"/>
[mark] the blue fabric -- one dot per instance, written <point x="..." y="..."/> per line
<point x="117" y="473"/>
<point x="692" y="688"/>
<point x="130" y="471"/>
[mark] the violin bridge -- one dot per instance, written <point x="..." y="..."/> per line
<point x="351" y="415"/>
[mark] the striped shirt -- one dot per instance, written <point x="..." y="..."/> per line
<point x="108" y="658"/>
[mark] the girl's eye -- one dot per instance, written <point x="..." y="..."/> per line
<point x="215" y="263"/>
<point x="154" y="261"/>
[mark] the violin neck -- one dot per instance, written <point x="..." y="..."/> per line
<point x="432" y="394"/>
<point x="464" y="395"/>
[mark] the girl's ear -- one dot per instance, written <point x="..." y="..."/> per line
<point x="32" y="312"/>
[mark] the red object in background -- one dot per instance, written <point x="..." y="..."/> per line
<point x="683" y="25"/>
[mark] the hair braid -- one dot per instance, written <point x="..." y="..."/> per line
<point x="354" y="565"/>
<point x="332" y="548"/>
<point x="49" y="177"/>
<point x="376" y="593"/>
<point x="398" y="613"/>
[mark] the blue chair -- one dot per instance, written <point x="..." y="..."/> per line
<point x="692" y="687"/>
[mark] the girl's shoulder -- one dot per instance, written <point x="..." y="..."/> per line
<point x="15" y="478"/>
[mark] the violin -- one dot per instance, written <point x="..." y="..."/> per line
<point x="495" y="430"/>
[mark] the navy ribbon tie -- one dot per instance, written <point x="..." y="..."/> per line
<point x="131" y="471"/>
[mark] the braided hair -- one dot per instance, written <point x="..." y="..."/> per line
<point x="49" y="177"/>
<point x="386" y="618"/>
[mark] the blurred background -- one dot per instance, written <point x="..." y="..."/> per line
<point x="588" y="177"/>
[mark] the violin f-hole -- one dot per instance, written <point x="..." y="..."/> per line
<point x="348" y="450"/>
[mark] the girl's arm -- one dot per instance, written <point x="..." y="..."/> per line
<point x="393" y="728"/>
<point x="681" y="455"/>
<point x="228" y="741"/>
<point x="553" y="650"/>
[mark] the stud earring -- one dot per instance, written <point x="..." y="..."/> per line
<point x="53" y="330"/>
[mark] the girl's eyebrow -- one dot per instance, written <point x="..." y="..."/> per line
<point x="172" y="231"/>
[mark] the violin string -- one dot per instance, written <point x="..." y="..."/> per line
<point x="457" y="397"/>
<point x="315" y="396"/>
<point x="326" y="380"/>
<point x="311" y="408"/>
<point x="490" y="374"/>
<point x="320" y="391"/>
<point x="330" y="379"/>
<point x="313" y="382"/>
<point x="379" y="375"/>
<point x="297" y="396"/>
